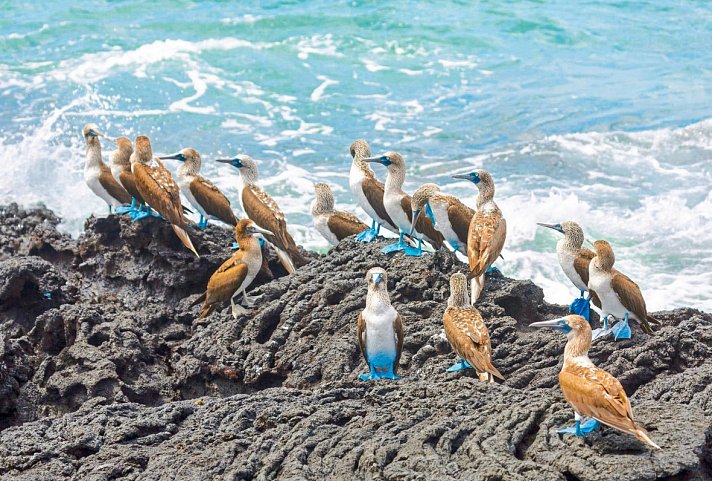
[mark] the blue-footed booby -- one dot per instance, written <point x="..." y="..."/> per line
<point x="592" y="392"/>
<point x="368" y="192"/>
<point x="157" y="187"/>
<point x="200" y="192"/>
<point x="236" y="274"/>
<point x="397" y="204"/>
<point x="379" y="329"/>
<point x="467" y="332"/>
<point x="487" y="231"/>
<point x="97" y="175"/>
<point x="574" y="260"/>
<point x="449" y="215"/>
<point x="121" y="170"/>
<point x="620" y="297"/>
<point x="265" y="212"/>
<point x="334" y="225"/>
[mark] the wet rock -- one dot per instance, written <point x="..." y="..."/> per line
<point x="114" y="379"/>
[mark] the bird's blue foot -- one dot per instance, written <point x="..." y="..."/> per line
<point x="124" y="209"/>
<point x="622" y="329"/>
<point x="455" y="245"/>
<point x="414" y="251"/>
<point x="366" y="236"/>
<point x="459" y="366"/>
<point x="492" y="269"/>
<point x="378" y="375"/>
<point x="582" y="307"/>
<point x="395" y="247"/>
<point x="140" y="214"/>
<point x="581" y="429"/>
<point x="378" y="369"/>
<point x="601" y="331"/>
<point x="203" y="223"/>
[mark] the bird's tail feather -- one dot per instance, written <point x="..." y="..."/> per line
<point x="206" y="312"/>
<point x="642" y="434"/>
<point x="285" y="260"/>
<point x="653" y="320"/>
<point x="476" y="286"/>
<point x="200" y="299"/>
<point x="183" y="236"/>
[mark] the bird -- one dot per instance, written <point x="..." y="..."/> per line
<point x="620" y="297"/>
<point x="121" y="170"/>
<point x="236" y="274"/>
<point x="379" y="329"/>
<point x="487" y="231"/>
<point x="334" y="225"/>
<point x="449" y="215"/>
<point x="574" y="260"/>
<point x="97" y="174"/>
<point x="265" y="212"/>
<point x="156" y="185"/>
<point x="397" y="204"/>
<point x="368" y="192"/>
<point x="467" y="332"/>
<point x="591" y="391"/>
<point x="200" y="192"/>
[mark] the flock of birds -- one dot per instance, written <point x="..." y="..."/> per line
<point x="137" y="184"/>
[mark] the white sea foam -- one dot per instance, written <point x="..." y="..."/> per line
<point x="318" y="92"/>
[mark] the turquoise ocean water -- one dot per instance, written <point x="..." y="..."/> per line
<point x="599" y="112"/>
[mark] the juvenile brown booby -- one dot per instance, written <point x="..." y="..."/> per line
<point x="121" y="170"/>
<point x="262" y="209"/>
<point x="368" y="192"/>
<point x="236" y="274"/>
<point x="591" y="391"/>
<point x="379" y="329"/>
<point x="449" y="215"/>
<point x="96" y="173"/>
<point x="620" y="297"/>
<point x="467" y="332"/>
<point x="200" y="192"/>
<point x="487" y="231"/>
<point x="159" y="190"/>
<point x="334" y="225"/>
<point x="397" y="204"/>
<point x="574" y="260"/>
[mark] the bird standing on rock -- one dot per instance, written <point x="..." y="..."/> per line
<point x="487" y="231"/>
<point x="398" y="206"/>
<point x="97" y="175"/>
<point x="368" y="192"/>
<point x="334" y="225"/>
<point x="265" y="212"/>
<point x="379" y="329"/>
<point x="449" y="216"/>
<point x="591" y="391"/>
<point x="200" y="192"/>
<point x="574" y="260"/>
<point x="160" y="191"/>
<point x="467" y="332"/>
<point x="121" y="170"/>
<point x="620" y="297"/>
<point x="236" y="274"/>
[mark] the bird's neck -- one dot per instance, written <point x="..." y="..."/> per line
<point x="377" y="299"/>
<point x="458" y="298"/>
<point x="190" y="167"/>
<point x="394" y="180"/>
<point x="486" y="193"/>
<point x="93" y="154"/>
<point x="364" y="168"/>
<point x="249" y="176"/>
<point x="248" y="243"/>
<point x="322" y="205"/>
<point x="576" y="350"/>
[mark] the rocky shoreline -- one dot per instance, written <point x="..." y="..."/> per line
<point x="103" y="374"/>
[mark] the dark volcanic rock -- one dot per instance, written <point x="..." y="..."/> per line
<point x="122" y="384"/>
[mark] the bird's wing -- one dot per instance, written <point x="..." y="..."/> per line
<point x="424" y="224"/>
<point x="486" y="236"/>
<point x="469" y="337"/>
<point x="212" y="200"/>
<point x="226" y="280"/>
<point x="127" y="180"/>
<point x="460" y="217"/>
<point x="595" y="393"/>
<point x="581" y="262"/>
<point x="398" y="329"/>
<point x="344" y="224"/>
<point x="114" y="189"/>
<point x="361" y="335"/>
<point x="265" y="212"/>
<point x="630" y="296"/>
<point x="157" y="187"/>
<point x="373" y="190"/>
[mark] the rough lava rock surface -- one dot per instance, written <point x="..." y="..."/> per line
<point x="104" y="375"/>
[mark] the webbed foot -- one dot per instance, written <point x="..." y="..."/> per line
<point x="459" y="366"/>
<point x="582" y="307"/>
<point x="581" y="429"/>
<point x="395" y="247"/>
<point x="366" y="236"/>
<point x="622" y="329"/>
<point x="492" y="269"/>
<point x="601" y="331"/>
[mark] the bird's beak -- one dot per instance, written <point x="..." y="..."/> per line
<point x="559" y="324"/>
<point x="416" y="216"/>
<point x="589" y="242"/>
<point x="224" y="161"/>
<point x="381" y="159"/>
<point x="376" y="278"/>
<point x="259" y="230"/>
<point x="170" y="157"/>
<point x="551" y="226"/>
<point x="461" y="176"/>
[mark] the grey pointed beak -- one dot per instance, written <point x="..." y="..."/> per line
<point x="553" y="323"/>
<point x="260" y="231"/>
<point x="415" y="217"/>
<point x="377" y="158"/>
<point x="461" y="176"/>
<point x="591" y="243"/>
<point x="170" y="157"/>
<point x="224" y="161"/>
<point x="377" y="278"/>
<point x="550" y="226"/>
